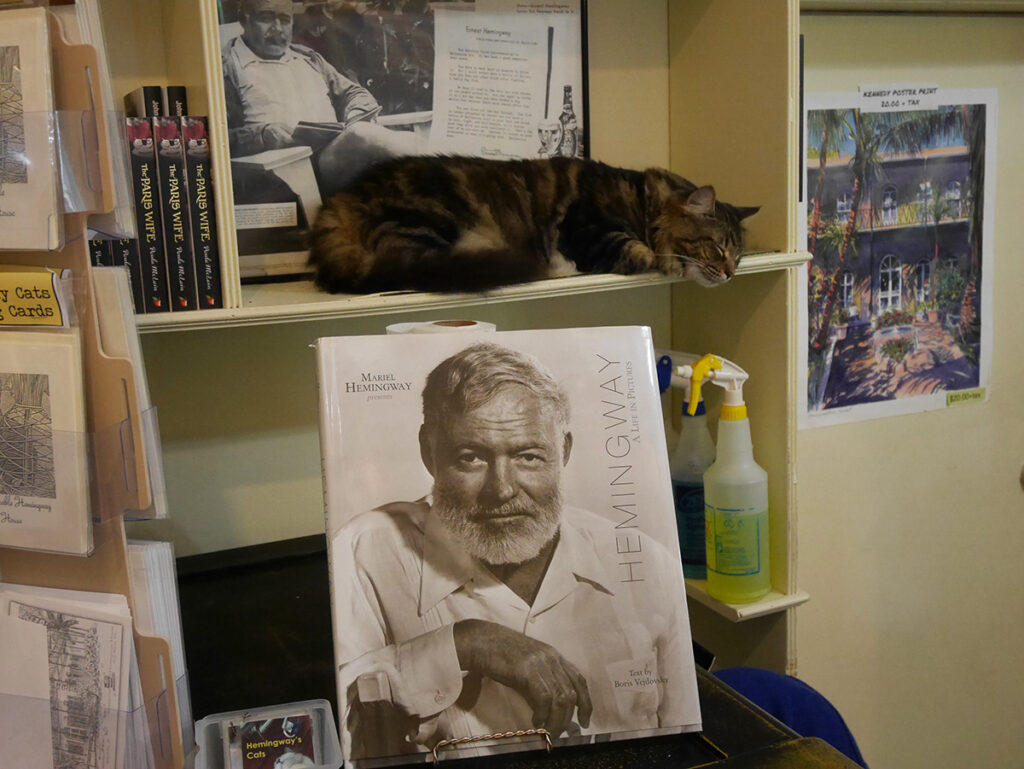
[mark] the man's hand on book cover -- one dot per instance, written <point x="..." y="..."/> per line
<point x="550" y="684"/>
<point x="277" y="135"/>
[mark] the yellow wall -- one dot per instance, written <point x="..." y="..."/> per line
<point x="911" y="528"/>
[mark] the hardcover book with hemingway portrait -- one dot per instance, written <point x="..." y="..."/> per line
<point x="502" y="543"/>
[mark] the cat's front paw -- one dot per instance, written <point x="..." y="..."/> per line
<point x="671" y="266"/>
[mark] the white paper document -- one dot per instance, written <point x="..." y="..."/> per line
<point x="504" y="78"/>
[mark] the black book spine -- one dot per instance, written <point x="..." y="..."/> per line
<point x="145" y="101"/>
<point x="198" y="176"/>
<point x="153" y="263"/>
<point x="100" y="254"/>
<point x="177" y="104"/>
<point x="170" y="157"/>
<point x="126" y="254"/>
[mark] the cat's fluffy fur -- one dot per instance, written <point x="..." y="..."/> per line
<point x="437" y="223"/>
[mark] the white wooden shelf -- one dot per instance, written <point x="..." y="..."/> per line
<point x="697" y="590"/>
<point x="300" y="300"/>
<point x="914" y="6"/>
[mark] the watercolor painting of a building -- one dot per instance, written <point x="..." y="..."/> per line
<point x="895" y="207"/>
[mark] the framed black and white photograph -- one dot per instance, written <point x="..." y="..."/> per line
<point x="315" y="91"/>
<point x="502" y="542"/>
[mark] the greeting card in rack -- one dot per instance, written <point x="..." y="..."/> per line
<point x="24" y="693"/>
<point x="29" y="190"/>
<point x="44" y="468"/>
<point x="89" y="665"/>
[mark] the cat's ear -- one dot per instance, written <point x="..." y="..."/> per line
<point x="701" y="202"/>
<point x="745" y="211"/>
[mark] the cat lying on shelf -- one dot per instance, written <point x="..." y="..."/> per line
<point x="442" y="223"/>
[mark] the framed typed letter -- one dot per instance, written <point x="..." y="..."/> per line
<point x="315" y="92"/>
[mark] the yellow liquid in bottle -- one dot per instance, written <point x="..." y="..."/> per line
<point x="736" y="543"/>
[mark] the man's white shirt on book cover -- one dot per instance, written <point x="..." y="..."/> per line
<point x="401" y="584"/>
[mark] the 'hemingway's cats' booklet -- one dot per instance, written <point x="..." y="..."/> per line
<point x="502" y="542"/>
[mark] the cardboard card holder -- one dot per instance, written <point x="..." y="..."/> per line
<point x="116" y="420"/>
<point x="162" y="692"/>
<point x="84" y="170"/>
<point x="138" y="736"/>
<point x="152" y="453"/>
<point x="106" y="571"/>
<point x="57" y="168"/>
<point x="76" y="94"/>
<point x="33" y="725"/>
<point x="114" y="415"/>
<point x="123" y="456"/>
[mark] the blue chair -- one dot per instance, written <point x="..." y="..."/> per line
<point x="794" y="703"/>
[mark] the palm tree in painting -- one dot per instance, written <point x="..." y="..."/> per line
<point x="939" y="208"/>
<point x="965" y="123"/>
<point x="872" y="134"/>
<point x="829" y="241"/>
<point x="973" y="116"/>
<point x="828" y="124"/>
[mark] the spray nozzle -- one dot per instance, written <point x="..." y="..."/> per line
<point x="731" y="379"/>
<point x="713" y="368"/>
<point x="700" y="371"/>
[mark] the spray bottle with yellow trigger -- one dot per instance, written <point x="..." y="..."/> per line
<point x="693" y="454"/>
<point x="735" y="492"/>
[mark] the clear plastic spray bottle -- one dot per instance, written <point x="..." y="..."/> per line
<point x="692" y="456"/>
<point x="735" y="499"/>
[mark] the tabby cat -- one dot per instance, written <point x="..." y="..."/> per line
<point x="442" y="223"/>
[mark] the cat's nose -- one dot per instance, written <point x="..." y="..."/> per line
<point x="729" y="269"/>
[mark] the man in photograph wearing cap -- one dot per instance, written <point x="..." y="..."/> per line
<point x="271" y="83"/>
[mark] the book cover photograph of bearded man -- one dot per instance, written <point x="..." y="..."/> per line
<point x="502" y="543"/>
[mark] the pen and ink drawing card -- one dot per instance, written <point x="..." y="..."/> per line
<point x="44" y="467"/>
<point x="29" y="185"/>
<point x="24" y="694"/>
<point x="89" y="654"/>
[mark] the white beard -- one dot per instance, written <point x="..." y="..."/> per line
<point x="501" y="543"/>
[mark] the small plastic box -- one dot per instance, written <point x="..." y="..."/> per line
<point x="285" y="731"/>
